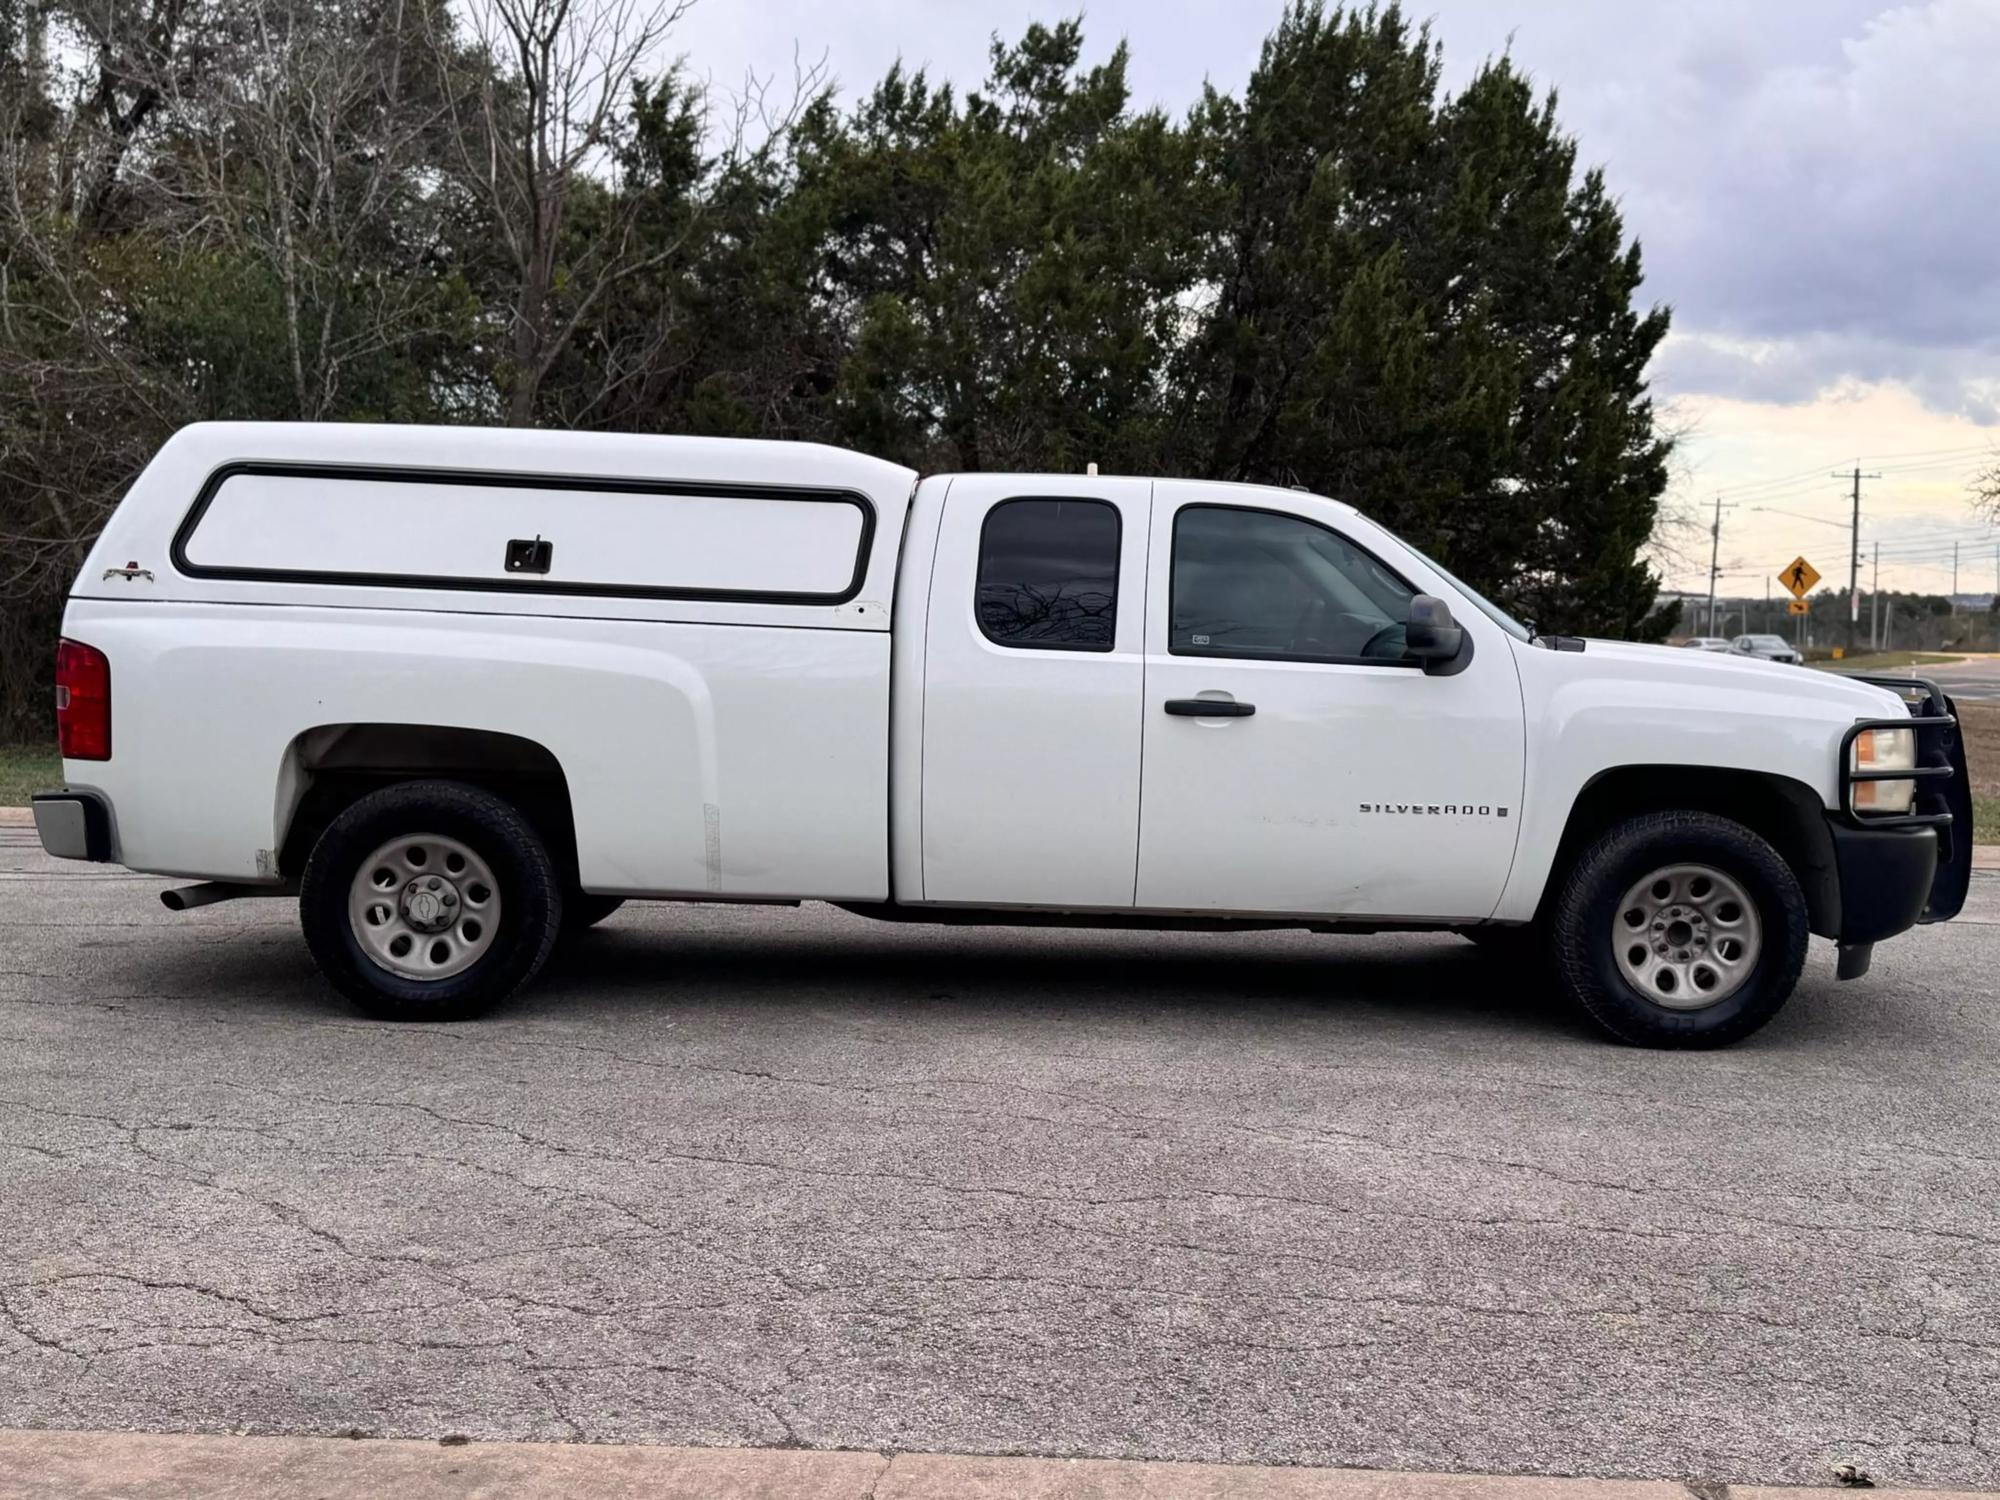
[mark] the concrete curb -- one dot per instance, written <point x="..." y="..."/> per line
<point x="38" y="1465"/>
<point x="17" y="817"/>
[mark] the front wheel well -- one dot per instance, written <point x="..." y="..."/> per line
<point x="329" y="768"/>
<point x="1786" y="813"/>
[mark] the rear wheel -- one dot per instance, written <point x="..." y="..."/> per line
<point x="1680" y="929"/>
<point x="429" y="901"/>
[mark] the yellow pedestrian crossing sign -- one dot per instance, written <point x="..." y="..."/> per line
<point x="1799" y="576"/>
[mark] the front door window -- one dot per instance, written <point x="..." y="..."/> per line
<point x="1253" y="583"/>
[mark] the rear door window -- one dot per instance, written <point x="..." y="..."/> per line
<point x="1048" y="574"/>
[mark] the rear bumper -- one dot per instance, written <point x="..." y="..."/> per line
<point x="74" y="825"/>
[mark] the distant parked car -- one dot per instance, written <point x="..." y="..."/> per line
<point x="1706" y="643"/>
<point x="1769" y="647"/>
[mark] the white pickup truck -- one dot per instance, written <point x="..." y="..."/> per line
<point x="460" y="690"/>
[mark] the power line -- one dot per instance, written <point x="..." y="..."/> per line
<point x="1944" y="457"/>
<point x="1931" y="551"/>
<point x="1796" y="515"/>
<point x="1975" y="532"/>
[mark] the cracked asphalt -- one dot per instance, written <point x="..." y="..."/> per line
<point x="745" y="1177"/>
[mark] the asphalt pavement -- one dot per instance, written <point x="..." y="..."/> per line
<point x="1976" y="680"/>
<point x="1973" y="680"/>
<point x="731" y="1177"/>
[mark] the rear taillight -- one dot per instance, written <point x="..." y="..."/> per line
<point x="83" y="702"/>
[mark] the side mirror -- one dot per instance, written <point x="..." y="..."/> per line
<point x="1432" y="636"/>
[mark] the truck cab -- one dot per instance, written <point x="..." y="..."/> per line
<point x="1178" y="697"/>
<point x="458" y="691"/>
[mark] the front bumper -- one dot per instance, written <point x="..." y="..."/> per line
<point x="73" y="825"/>
<point x="1897" y="871"/>
<point x="1886" y="878"/>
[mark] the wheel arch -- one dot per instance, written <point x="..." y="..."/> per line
<point x="1783" y="811"/>
<point x="325" y="769"/>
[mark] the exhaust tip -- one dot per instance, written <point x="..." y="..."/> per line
<point x="207" y="893"/>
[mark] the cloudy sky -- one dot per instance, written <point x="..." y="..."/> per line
<point x="1816" y="184"/>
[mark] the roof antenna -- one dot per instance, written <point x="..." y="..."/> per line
<point x="1091" y="470"/>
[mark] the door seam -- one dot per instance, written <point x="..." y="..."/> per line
<point x="1145" y="670"/>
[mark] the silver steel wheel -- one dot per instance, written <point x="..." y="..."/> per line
<point x="1687" y="936"/>
<point x="424" y="906"/>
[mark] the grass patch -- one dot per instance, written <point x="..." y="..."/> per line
<point x="1980" y="723"/>
<point x="25" y="769"/>
<point x="1986" y="820"/>
<point x="1885" y="661"/>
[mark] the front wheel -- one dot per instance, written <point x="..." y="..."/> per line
<point x="430" y="901"/>
<point x="1680" y="929"/>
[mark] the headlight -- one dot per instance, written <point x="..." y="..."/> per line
<point x="1883" y="750"/>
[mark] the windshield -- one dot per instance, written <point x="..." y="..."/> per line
<point x="1769" y="641"/>
<point x="1487" y="607"/>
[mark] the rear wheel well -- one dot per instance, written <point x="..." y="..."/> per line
<point x="1787" y="814"/>
<point x="328" y="768"/>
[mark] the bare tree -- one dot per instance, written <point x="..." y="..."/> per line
<point x="536" y="128"/>
<point x="138" y="53"/>
<point x="309" y="149"/>
<point x="79" y="410"/>
<point x="1985" y="488"/>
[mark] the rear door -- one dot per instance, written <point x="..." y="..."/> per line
<point x="1033" y="681"/>
<point x="1333" y="776"/>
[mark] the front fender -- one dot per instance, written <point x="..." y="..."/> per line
<point x="1664" y="710"/>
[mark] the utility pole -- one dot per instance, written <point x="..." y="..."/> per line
<point x="1854" y="558"/>
<point x="1769" y="620"/>
<point x="1715" y="558"/>
<point x="1875" y="603"/>
<point x="1954" y="578"/>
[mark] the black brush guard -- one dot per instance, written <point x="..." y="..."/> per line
<point x="1944" y="791"/>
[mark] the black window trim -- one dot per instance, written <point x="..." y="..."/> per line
<point x="1117" y="573"/>
<point x="1400" y="664"/>
<point x="516" y="584"/>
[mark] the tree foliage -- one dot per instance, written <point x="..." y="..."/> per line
<point x="1340" y="277"/>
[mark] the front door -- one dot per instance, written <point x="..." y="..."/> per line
<point x="1333" y="777"/>
<point x="1033" y="678"/>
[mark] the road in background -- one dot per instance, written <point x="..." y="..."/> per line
<point x="745" y="1177"/>
<point x="1974" y="680"/>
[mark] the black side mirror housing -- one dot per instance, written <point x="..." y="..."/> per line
<point x="1432" y="636"/>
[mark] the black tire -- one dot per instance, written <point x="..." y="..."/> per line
<point x="530" y="895"/>
<point x="1588" y="904"/>
<point x="583" y="911"/>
